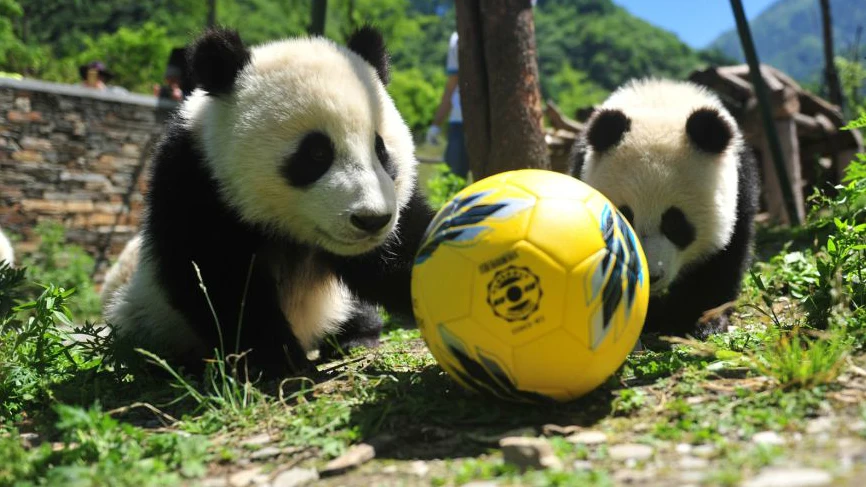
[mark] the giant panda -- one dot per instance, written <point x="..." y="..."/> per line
<point x="282" y="203"/>
<point x="673" y="160"/>
<point x="6" y="252"/>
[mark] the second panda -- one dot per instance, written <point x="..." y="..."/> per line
<point x="288" y="181"/>
<point x="673" y="160"/>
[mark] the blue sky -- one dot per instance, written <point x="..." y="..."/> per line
<point x="696" y="22"/>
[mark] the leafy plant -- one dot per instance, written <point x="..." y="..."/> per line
<point x="65" y="265"/>
<point x="443" y="186"/>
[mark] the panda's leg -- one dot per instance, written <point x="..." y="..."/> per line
<point x="362" y="329"/>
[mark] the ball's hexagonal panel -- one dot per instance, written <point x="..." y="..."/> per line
<point x="521" y="296"/>
<point x="443" y="284"/>
<point x="558" y="361"/>
<point x="549" y="184"/>
<point x="564" y="229"/>
<point x="471" y="355"/>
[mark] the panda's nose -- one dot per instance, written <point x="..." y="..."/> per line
<point x="370" y="223"/>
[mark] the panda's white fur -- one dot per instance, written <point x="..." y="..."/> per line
<point x="671" y="157"/>
<point x="664" y="170"/>
<point x="288" y="88"/>
<point x="121" y="271"/>
<point x="6" y="252"/>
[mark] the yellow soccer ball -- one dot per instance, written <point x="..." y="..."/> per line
<point x="530" y="285"/>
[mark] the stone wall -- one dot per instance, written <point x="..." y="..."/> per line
<point x="78" y="156"/>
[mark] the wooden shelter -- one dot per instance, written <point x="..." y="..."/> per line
<point x="816" y="151"/>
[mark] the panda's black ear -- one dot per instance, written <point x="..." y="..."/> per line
<point x="216" y="58"/>
<point x="606" y="129"/>
<point x="368" y="43"/>
<point x="708" y="131"/>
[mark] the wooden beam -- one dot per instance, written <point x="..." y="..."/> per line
<point x="560" y="121"/>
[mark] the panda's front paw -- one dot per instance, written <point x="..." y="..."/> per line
<point x="711" y="324"/>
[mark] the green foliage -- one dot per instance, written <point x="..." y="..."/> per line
<point x="574" y="90"/>
<point x="64" y="265"/>
<point x="36" y="346"/>
<point x="102" y="451"/>
<point x="416" y="96"/>
<point x="137" y="56"/>
<point x="605" y="42"/>
<point x="443" y="186"/>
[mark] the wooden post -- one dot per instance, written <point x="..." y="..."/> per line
<point x="786" y="128"/>
<point x="499" y="93"/>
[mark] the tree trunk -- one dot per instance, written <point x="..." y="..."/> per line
<point x="499" y="93"/>
<point x="834" y="89"/>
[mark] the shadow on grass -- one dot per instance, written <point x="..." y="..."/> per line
<point x="427" y="415"/>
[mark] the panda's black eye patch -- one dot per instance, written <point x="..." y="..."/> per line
<point x="607" y="129"/>
<point x="627" y="213"/>
<point x="385" y="158"/>
<point x="708" y="131"/>
<point x="677" y="228"/>
<point x="310" y="161"/>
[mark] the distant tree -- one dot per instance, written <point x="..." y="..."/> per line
<point x="137" y="56"/>
<point x="499" y="93"/>
<point x="572" y="89"/>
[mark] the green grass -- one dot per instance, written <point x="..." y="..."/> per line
<point x="795" y="354"/>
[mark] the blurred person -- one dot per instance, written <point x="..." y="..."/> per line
<point x="456" y="156"/>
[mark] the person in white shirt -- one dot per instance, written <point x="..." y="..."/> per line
<point x="455" y="151"/>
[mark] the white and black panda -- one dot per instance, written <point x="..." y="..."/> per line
<point x="289" y="178"/>
<point x="673" y="160"/>
<point x="6" y="252"/>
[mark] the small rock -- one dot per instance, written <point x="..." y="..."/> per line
<point x="481" y="483"/>
<point x="214" y="482"/>
<point x="354" y="457"/>
<point x="529" y="453"/>
<point x="630" y="451"/>
<point x="266" y="452"/>
<point x="794" y="477"/>
<point x="389" y="469"/>
<point x="588" y="438"/>
<point x="295" y="477"/>
<point x="704" y="451"/>
<point x="693" y="463"/>
<point x="245" y="477"/>
<point x="692" y="477"/>
<point x="557" y="430"/>
<point x="627" y="476"/>
<point x="419" y="468"/>
<point x="258" y="440"/>
<point x="767" y="438"/>
<point x="683" y="448"/>
<point x="582" y="465"/>
<point x="819" y="425"/>
<point x="496" y="437"/>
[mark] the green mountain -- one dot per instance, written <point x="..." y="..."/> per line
<point x="788" y="36"/>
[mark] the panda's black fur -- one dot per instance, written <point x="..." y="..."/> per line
<point x="701" y="128"/>
<point x="188" y="220"/>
